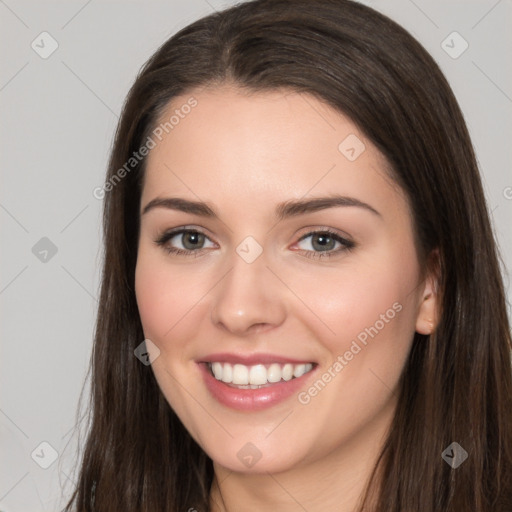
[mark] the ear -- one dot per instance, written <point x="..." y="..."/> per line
<point x="429" y="300"/>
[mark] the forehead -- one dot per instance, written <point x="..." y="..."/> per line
<point x="264" y="147"/>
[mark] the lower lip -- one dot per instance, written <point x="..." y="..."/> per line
<point x="251" y="399"/>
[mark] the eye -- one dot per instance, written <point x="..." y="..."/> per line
<point x="324" y="244"/>
<point x="191" y="241"/>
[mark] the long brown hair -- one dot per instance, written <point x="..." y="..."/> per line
<point x="457" y="383"/>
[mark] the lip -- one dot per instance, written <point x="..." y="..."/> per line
<point x="252" y="399"/>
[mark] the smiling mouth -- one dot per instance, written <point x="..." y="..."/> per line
<point x="257" y="376"/>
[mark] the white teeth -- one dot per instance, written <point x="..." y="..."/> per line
<point x="299" y="370"/>
<point x="240" y="374"/>
<point x="227" y="373"/>
<point x="287" y="372"/>
<point x="258" y="375"/>
<point x="217" y="370"/>
<point x="251" y="377"/>
<point x="274" y="373"/>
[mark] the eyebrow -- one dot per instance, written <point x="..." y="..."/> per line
<point x="284" y="210"/>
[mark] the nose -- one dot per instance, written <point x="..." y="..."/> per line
<point x="249" y="299"/>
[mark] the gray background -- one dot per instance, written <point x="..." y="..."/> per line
<point x="58" y="117"/>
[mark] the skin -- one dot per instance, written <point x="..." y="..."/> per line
<point x="244" y="153"/>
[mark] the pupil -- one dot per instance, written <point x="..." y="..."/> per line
<point x="193" y="238"/>
<point x="323" y="242"/>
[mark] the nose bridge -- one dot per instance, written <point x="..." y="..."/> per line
<point x="247" y="295"/>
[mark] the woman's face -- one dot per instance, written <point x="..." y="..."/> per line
<point x="300" y="259"/>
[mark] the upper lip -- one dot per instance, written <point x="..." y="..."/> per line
<point x="250" y="359"/>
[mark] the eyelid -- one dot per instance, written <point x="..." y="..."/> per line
<point x="310" y="230"/>
<point x="168" y="234"/>
<point x="179" y="229"/>
<point x="345" y="241"/>
<point x="346" y="244"/>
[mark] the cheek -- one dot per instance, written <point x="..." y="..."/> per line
<point x="165" y="300"/>
<point x="355" y="303"/>
<point x="164" y="296"/>
<point x="372" y="311"/>
<point x="153" y="300"/>
<point x="367" y="325"/>
<point x="372" y="314"/>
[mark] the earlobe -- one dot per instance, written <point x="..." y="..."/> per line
<point x="427" y="319"/>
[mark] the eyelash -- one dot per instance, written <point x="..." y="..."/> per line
<point x="347" y="245"/>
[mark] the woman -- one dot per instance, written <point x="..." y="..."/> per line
<point x="295" y="226"/>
